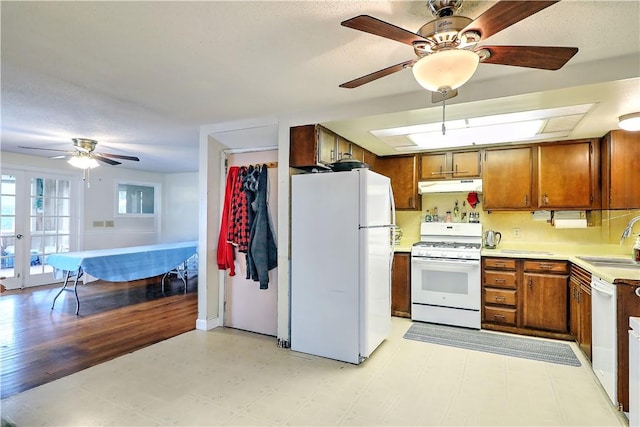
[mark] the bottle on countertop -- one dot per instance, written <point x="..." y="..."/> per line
<point x="448" y="217"/>
<point x="635" y="252"/>
<point x="435" y="217"/>
<point x="427" y="216"/>
<point x="456" y="212"/>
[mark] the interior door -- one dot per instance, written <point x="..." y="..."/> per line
<point x="36" y="217"/>
<point x="246" y="306"/>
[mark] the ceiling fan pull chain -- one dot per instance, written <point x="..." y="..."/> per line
<point x="444" y="98"/>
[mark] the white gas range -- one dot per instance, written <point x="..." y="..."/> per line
<point x="445" y="274"/>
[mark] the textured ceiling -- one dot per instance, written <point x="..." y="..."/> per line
<point x="142" y="77"/>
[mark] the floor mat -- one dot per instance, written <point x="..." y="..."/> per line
<point x="479" y="340"/>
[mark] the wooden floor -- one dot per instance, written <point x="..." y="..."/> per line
<point x="39" y="345"/>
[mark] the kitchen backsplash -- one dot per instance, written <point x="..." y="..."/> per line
<point x="608" y="229"/>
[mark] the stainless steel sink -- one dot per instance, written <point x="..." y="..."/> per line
<point x="610" y="262"/>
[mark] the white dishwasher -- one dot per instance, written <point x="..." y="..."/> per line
<point x="604" y="332"/>
<point x="634" y="371"/>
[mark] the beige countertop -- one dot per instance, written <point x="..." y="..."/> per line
<point x="402" y="247"/>
<point x="572" y="253"/>
<point x="563" y="252"/>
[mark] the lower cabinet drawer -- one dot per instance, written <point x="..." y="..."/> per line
<point x="502" y="315"/>
<point x="500" y="296"/>
<point x="500" y="279"/>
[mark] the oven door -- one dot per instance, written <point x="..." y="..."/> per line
<point x="446" y="282"/>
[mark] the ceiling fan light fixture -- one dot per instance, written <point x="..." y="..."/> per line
<point x="83" y="162"/>
<point x="446" y="69"/>
<point x="630" y="121"/>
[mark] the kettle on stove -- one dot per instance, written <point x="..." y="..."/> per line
<point x="492" y="238"/>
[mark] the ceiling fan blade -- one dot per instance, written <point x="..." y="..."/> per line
<point x="541" y="57"/>
<point x="377" y="74"/>
<point x="504" y="14"/>
<point x="375" y="26"/>
<point x="118" y="156"/>
<point x="46" y="149"/>
<point x="105" y="160"/>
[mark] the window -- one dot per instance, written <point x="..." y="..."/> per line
<point x="136" y="199"/>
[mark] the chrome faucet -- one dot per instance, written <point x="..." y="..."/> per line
<point x="627" y="231"/>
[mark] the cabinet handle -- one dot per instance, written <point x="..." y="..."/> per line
<point x="498" y="317"/>
<point x="333" y="155"/>
<point x="545" y="199"/>
<point x="451" y="171"/>
<point x="530" y="283"/>
<point x="579" y="296"/>
<point x="498" y="280"/>
<point x="500" y="298"/>
<point x="526" y="200"/>
<point x="545" y="266"/>
<point x="499" y="264"/>
<point x="411" y="201"/>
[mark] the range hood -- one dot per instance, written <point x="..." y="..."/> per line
<point x="450" y="186"/>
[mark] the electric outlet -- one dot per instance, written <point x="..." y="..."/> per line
<point x="516" y="233"/>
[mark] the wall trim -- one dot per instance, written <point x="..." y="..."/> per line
<point x="207" y="324"/>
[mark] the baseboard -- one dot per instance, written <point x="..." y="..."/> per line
<point x="208" y="324"/>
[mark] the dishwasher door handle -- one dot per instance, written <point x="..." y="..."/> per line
<point x="602" y="290"/>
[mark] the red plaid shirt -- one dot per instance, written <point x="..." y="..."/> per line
<point x="238" y="232"/>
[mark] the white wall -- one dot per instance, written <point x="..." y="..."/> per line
<point x="180" y="207"/>
<point x="176" y="221"/>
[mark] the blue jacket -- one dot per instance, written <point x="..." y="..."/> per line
<point x="262" y="255"/>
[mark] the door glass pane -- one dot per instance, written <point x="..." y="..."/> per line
<point x="50" y="218"/>
<point x="7" y="225"/>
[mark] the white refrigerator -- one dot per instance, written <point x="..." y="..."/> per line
<point x="341" y="255"/>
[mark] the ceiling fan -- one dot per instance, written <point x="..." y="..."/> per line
<point x="84" y="156"/>
<point x="447" y="49"/>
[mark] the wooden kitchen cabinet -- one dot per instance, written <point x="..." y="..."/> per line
<point x="620" y="170"/>
<point x="580" y="308"/>
<point x="306" y="148"/>
<point x="568" y="176"/>
<point x="499" y="291"/>
<point x="314" y="146"/>
<point x="401" y="285"/>
<point x="363" y="155"/>
<point x="628" y="304"/>
<point x="545" y="295"/>
<point x="449" y="165"/>
<point x="403" y="172"/>
<point x="507" y="181"/>
<point x="528" y="297"/>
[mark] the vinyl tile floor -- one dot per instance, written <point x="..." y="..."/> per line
<point x="232" y="377"/>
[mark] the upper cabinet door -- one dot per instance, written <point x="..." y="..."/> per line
<point x="403" y="172"/>
<point x="433" y="166"/>
<point x="507" y="178"/>
<point x="621" y="170"/>
<point x="567" y="175"/>
<point x="326" y="146"/>
<point x="465" y="164"/>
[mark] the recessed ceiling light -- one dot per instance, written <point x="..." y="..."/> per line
<point x="494" y="129"/>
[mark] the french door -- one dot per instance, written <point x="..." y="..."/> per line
<point x="38" y="218"/>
